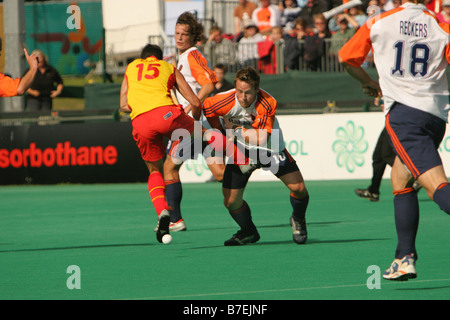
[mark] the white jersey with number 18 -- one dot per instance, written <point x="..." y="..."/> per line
<point x="411" y="53"/>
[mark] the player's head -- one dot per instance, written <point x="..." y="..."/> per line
<point x="246" y="82"/>
<point x="151" y="50"/>
<point x="188" y="31"/>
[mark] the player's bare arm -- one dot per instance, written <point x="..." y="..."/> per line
<point x="186" y="91"/>
<point x="369" y="86"/>
<point x="28" y="78"/>
<point x="123" y="97"/>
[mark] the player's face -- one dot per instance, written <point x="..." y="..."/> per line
<point x="183" y="38"/>
<point x="245" y="93"/>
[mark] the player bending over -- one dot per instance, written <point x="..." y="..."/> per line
<point x="249" y="113"/>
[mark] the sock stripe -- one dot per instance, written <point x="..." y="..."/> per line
<point x="167" y="182"/>
<point x="442" y="185"/>
<point x="403" y="191"/>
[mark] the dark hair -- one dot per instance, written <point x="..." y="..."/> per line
<point x="195" y="28"/>
<point x="152" y="50"/>
<point x="221" y="66"/>
<point x="249" y="75"/>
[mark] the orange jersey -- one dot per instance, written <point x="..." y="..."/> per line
<point x="196" y="70"/>
<point x="8" y="86"/>
<point x="260" y="115"/>
<point x="149" y="83"/>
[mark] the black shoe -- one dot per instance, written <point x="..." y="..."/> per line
<point x="364" y="193"/>
<point x="300" y="235"/>
<point x="163" y="225"/>
<point x="243" y="237"/>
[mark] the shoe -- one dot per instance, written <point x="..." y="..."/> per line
<point x="180" y="225"/>
<point x="402" y="269"/>
<point x="299" y="231"/>
<point x="364" y="193"/>
<point x="416" y="186"/>
<point x="163" y="225"/>
<point x="241" y="238"/>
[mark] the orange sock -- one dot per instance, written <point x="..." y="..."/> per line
<point x="157" y="190"/>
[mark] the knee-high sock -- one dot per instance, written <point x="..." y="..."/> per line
<point x="442" y="197"/>
<point x="243" y="217"/>
<point x="406" y="208"/>
<point x="156" y="189"/>
<point x="220" y="144"/>
<point x="299" y="206"/>
<point x="174" y="194"/>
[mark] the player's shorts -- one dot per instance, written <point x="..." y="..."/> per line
<point x="415" y="136"/>
<point x="279" y="164"/>
<point x="150" y="127"/>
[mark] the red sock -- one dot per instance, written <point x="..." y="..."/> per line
<point x="220" y="143"/>
<point x="157" y="190"/>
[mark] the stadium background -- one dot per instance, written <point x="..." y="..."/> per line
<point x="48" y="225"/>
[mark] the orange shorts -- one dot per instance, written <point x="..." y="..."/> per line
<point x="149" y="129"/>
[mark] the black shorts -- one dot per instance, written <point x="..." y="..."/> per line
<point x="280" y="164"/>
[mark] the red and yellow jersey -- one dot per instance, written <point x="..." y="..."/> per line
<point x="8" y="86"/>
<point x="411" y="52"/>
<point x="259" y="115"/>
<point x="149" y="83"/>
<point x="195" y="69"/>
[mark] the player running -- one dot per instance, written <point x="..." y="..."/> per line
<point x="145" y="94"/>
<point x="249" y="112"/>
<point x="194" y="67"/>
<point x="411" y="51"/>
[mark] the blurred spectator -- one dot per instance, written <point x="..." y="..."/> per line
<point x="374" y="7"/>
<point x="314" y="48"/>
<point x="312" y="8"/>
<point x="292" y="48"/>
<point x="266" y="17"/>
<point x="396" y="3"/>
<point x="242" y="14"/>
<point x="47" y="84"/>
<point x="444" y="16"/>
<point x="290" y="11"/>
<point x="386" y="4"/>
<point x="223" y="84"/>
<point x="355" y="17"/>
<point x="248" y="48"/>
<point x="339" y="38"/>
<point x="433" y="5"/>
<point x="220" y="49"/>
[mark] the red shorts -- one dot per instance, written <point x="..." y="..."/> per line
<point x="149" y="129"/>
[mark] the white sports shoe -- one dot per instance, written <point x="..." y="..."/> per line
<point x="180" y="225"/>
<point x="402" y="269"/>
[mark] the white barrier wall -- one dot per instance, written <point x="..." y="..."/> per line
<point x="326" y="147"/>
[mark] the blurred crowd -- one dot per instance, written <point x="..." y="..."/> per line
<point x="311" y="32"/>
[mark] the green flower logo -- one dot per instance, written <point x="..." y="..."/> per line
<point x="350" y="146"/>
<point x="198" y="166"/>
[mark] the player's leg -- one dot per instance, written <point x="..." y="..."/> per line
<point x="436" y="184"/>
<point x="406" y="212"/>
<point x="156" y="188"/>
<point x="299" y="199"/>
<point x="233" y="191"/>
<point x="174" y="191"/>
